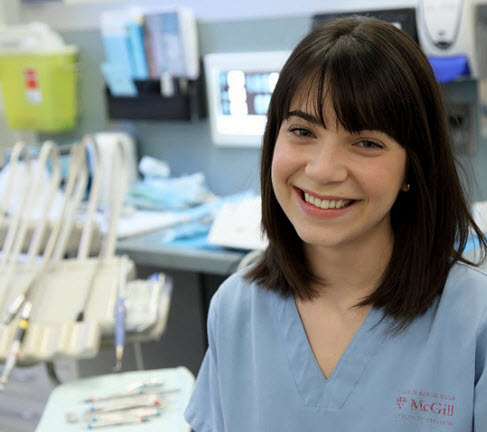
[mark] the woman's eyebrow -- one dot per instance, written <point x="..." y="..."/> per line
<point x="304" y="115"/>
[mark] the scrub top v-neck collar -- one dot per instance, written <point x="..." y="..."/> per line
<point x="317" y="390"/>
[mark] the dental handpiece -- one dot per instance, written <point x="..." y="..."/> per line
<point x="14" y="308"/>
<point x="120" y="332"/>
<point x="120" y="314"/>
<point x="13" y="354"/>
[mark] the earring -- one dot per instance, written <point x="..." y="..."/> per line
<point x="406" y="187"/>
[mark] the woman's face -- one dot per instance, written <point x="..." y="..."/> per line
<point x="335" y="187"/>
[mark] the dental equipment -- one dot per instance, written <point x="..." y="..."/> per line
<point x="76" y="173"/>
<point x="17" y="342"/>
<point x="120" y="315"/>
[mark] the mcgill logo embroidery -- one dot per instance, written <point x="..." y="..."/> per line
<point x="425" y="407"/>
<point x="401" y="401"/>
<point x="435" y="407"/>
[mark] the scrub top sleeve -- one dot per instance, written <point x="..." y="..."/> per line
<point x="204" y="411"/>
<point x="480" y="399"/>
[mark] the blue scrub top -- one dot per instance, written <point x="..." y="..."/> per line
<point x="260" y="374"/>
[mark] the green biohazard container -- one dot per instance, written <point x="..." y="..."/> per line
<point x="39" y="90"/>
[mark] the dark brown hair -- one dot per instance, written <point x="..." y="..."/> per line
<point x="378" y="79"/>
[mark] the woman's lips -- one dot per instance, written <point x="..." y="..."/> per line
<point x="325" y="207"/>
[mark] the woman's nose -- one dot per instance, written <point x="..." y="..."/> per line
<point x="327" y="164"/>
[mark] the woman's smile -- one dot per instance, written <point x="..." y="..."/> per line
<point x="323" y="206"/>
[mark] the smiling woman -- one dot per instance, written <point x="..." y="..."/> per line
<point x="330" y="82"/>
<point x="362" y="313"/>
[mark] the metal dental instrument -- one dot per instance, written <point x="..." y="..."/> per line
<point x="72" y="417"/>
<point x="138" y="401"/>
<point x="133" y="390"/>
<point x="13" y="354"/>
<point x="151" y="411"/>
<point x="123" y="420"/>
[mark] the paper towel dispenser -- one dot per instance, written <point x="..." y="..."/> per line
<point x="453" y="34"/>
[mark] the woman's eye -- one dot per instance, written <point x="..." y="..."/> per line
<point x="369" y="144"/>
<point x="301" y="132"/>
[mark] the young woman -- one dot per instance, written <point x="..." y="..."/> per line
<point x="362" y="314"/>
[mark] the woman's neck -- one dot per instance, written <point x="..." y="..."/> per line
<point x="350" y="272"/>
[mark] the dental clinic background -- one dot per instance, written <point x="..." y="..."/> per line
<point x="223" y="27"/>
<point x="187" y="146"/>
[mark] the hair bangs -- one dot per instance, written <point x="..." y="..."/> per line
<point x="358" y="90"/>
<point x="360" y="100"/>
<point x="305" y="87"/>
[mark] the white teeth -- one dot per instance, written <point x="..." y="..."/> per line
<point x="325" y="204"/>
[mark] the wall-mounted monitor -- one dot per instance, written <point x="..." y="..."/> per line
<point x="239" y="88"/>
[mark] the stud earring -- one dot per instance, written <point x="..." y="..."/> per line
<point x="406" y="187"/>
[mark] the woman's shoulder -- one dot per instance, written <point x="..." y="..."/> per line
<point x="465" y="292"/>
<point x="464" y="277"/>
<point x="237" y="291"/>
<point x="238" y="297"/>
